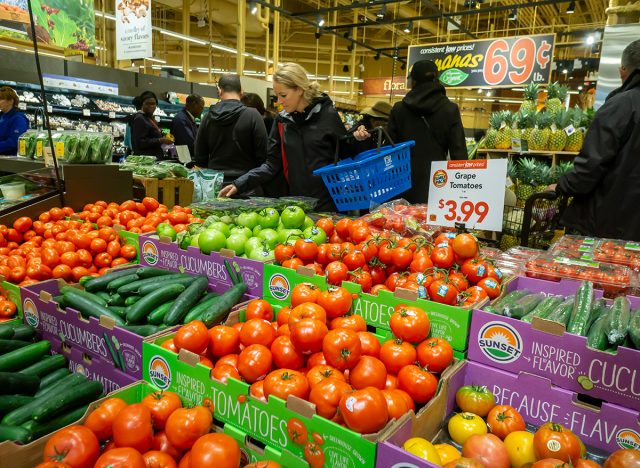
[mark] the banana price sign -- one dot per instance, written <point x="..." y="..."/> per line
<point x="508" y="61"/>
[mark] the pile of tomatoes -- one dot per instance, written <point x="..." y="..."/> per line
<point x="398" y="216"/>
<point x="137" y="217"/>
<point x="156" y="432"/>
<point x="449" y="271"/>
<point x="495" y="436"/>
<point x="8" y="308"/>
<point x="317" y="352"/>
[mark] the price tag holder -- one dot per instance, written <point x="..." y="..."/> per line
<point x="86" y="112"/>
<point x="48" y="157"/>
<point x="112" y="115"/>
<point x="49" y="109"/>
<point x="469" y="192"/>
<point x="22" y="106"/>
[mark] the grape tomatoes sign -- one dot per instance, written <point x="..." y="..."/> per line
<point x="469" y="192"/>
<point x="506" y="61"/>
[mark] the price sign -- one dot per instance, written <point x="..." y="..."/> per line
<point x="22" y="106"/>
<point x="505" y="61"/>
<point x="467" y="192"/>
<point x="49" y="109"/>
<point x="86" y="112"/>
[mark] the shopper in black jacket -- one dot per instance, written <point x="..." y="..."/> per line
<point x="303" y="139"/>
<point x="232" y="137"/>
<point x="146" y="136"/>
<point x="604" y="181"/>
<point x="183" y="125"/>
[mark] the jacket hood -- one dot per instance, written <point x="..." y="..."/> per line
<point x="426" y="98"/>
<point x="632" y="81"/>
<point x="226" y="112"/>
<point x="316" y="106"/>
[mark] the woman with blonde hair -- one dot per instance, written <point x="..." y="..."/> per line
<point x="304" y="139"/>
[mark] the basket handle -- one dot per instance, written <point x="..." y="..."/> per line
<point x="379" y="130"/>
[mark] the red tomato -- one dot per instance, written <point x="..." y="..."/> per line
<point x="487" y="449"/>
<point x="100" y="421"/>
<point x="418" y="383"/>
<point x="465" y="245"/>
<point x="321" y="372"/>
<point x="307" y="335"/>
<point x="557" y="436"/>
<point x="491" y="287"/>
<point x="368" y="372"/>
<point x="326" y="395"/>
<point x="342" y="348"/>
<point x="623" y="459"/>
<point x="364" y="411"/>
<point x="304" y="292"/>
<point x="254" y="362"/>
<point x="395" y="354"/>
<point x="161" y="405"/>
<point x="133" y="428"/>
<point x="397" y="402"/>
<point x="223" y="340"/>
<point x="259" y="308"/>
<point x="410" y="323"/>
<point x="193" y="336"/>
<point x="219" y="450"/>
<point x="503" y="420"/>
<point x="285" y="355"/>
<point x="435" y="354"/>
<point x="186" y="425"/>
<point x="257" y="331"/>
<point x="369" y="344"/>
<point x="162" y="444"/>
<point x="77" y="446"/>
<point x="125" y="457"/>
<point x="336" y="301"/>
<point x="285" y="382"/>
<point x="159" y="459"/>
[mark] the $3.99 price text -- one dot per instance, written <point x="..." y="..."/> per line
<point x="464" y="211"/>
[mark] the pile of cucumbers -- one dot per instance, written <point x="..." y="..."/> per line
<point x="38" y="393"/>
<point x="146" y="300"/>
<point x="605" y="326"/>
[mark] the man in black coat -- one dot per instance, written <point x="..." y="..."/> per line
<point x="426" y="116"/>
<point x="605" y="179"/>
<point x="183" y="125"/>
<point x="232" y="137"/>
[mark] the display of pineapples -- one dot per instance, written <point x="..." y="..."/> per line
<point x="495" y="120"/>
<point x="558" y="135"/>
<point x="543" y="177"/>
<point x="539" y="137"/>
<point x="503" y="138"/>
<point x="561" y="169"/>
<point x="527" y="170"/>
<point x="507" y="241"/>
<point x="530" y="104"/>
<point x="556" y="96"/>
<point x="575" y="140"/>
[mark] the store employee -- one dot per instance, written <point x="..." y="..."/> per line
<point x="13" y="123"/>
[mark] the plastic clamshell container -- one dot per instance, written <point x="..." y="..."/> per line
<point x="13" y="190"/>
<point x="620" y="252"/>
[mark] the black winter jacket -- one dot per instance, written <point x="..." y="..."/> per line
<point x="441" y="134"/>
<point x="232" y="139"/>
<point x="145" y="136"/>
<point x="184" y="130"/>
<point x="309" y="140"/>
<point x="605" y="179"/>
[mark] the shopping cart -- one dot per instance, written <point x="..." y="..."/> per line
<point x="372" y="177"/>
<point x="535" y="224"/>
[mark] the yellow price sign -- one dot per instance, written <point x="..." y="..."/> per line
<point x="22" y="148"/>
<point x="39" y="148"/>
<point x="60" y="149"/>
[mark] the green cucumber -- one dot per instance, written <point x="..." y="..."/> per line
<point x="10" y="326"/>
<point x="52" y="378"/>
<point x="157" y="315"/>
<point x="15" y="434"/>
<point x="149" y="272"/>
<point x="120" y="310"/>
<point x="104" y="295"/>
<point x="139" y="311"/>
<point x="544" y="308"/>
<point x="148" y="288"/>
<point x="84" y="280"/>
<point x="599" y="308"/>
<point x="14" y="383"/>
<point x="90" y="309"/>
<point x="24" y="333"/>
<point x="45" y="366"/>
<point x="221" y="306"/>
<point x="132" y="288"/>
<point x="142" y="330"/>
<point x="116" y="300"/>
<point x="634" y="329"/>
<point x="196" y="311"/>
<point x="102" y="282"/>
<point x="68" y="399"/>
<point x="24" y="357"/>
<point x="10" y="402"/>
<point x="597" y="337"/>
<point x="499" y="304"/>
<point x="562" y="313"/>
<point x="131" y="300"/>
<point x="10" y="345"/>
<point x="617" y="324"/>
<point x="521" y="307"/>
<point x="582" y="308"/>
<point x="65" y="290"/>
<point x="39" y="429"/>
<point x="6" y="334"/>
<point x="121" y="281"/>
<point x="59" y="299"/>
<point x="186" y="301"/>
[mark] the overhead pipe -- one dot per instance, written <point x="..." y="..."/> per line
<point x="241" y="30"/>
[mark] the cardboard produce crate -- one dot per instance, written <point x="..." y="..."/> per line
<point x="544" y="348"/>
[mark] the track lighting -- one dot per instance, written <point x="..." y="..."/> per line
<point x="382" y="12"/>
<point x="253" y="8"/>
<point x="320" y="21"/>
<point x="571" y="8"/>
<point x="409" y="27"/>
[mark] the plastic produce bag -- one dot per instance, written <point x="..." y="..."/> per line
<point x="206" y="184"/>
<point x="141" y="160"/>
<point x="177" y="169"/>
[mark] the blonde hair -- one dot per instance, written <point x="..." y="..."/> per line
<point x="293" y="75"/>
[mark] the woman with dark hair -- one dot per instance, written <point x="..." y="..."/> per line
<point x="255" y="101"/>
<point x="13" y="123"/>
<point x="146" y="136"/>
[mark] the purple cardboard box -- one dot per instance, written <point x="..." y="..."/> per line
<point x="544" y="348"/>
<point x="162" y="253"/>
<point x="604" y="429"/>
<point x="92" y="367"/>
<point x="98" y="338"/>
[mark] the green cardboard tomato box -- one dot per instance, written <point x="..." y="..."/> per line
<point x="449" y="322"/>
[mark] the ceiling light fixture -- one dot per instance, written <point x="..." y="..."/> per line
<point x="320" y="21"/>
<point x="361" y="66"/>
<point x="153" y="59"/>
<point x="571" y="9"/>
<point x="590" y="40"/>
<point x="513" y="15"/>
<point x="382" y="12"/>
<point x="579" y="88"/>
<point x="409" y="27"/>
<point x="489" y="93"/>
<point x="182" y="36"/>
<point x="253" y="8"/>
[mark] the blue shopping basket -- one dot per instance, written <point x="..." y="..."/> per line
<point x="373" y="176"/>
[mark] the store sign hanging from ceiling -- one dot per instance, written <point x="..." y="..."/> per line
<point x="507" y="61"/>
<point x="133" y="29"/>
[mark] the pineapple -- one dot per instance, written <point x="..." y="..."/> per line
<point x="527" y="177"/>
<point x="556" y="96"/>
<point x="530" y="103"/>
<point x="561" y="169"/>
<point x="512" y="174"/>
<point x="540" y="134"/>
<point x="543" y="178"/>
<point x="503" y="138"/>
<point x="527" y="124"/>
<point x="574" y="141"/>
<point x="508" y="241"/>
<point x="558" y="136"/>
<point x="495" y="120"/>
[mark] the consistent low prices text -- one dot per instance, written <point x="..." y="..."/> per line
<point x="469" y="192"/>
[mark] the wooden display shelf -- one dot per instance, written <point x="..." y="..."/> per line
<point x="15" y="16"/>
<point x="552" y="154"/>
<point x="170" y="191"/>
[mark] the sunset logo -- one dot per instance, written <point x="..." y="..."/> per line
<point x="628" y="439"/>
<point x="150" y="252"/>
<point x="30" y="312"/>
<point x="500" y="342"/>
<point x="159" y="372"/>
<point x="279" y="286"/>
<point x="440" y="178"/>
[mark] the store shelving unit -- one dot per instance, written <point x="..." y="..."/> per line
<point x="501" y="153"/>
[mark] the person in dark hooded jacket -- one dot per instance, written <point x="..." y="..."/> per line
<point x="232" y="137"/>
<point x="604" y="179"/>
<point x="303" y="139"/>
<point x="426" y="116"/>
